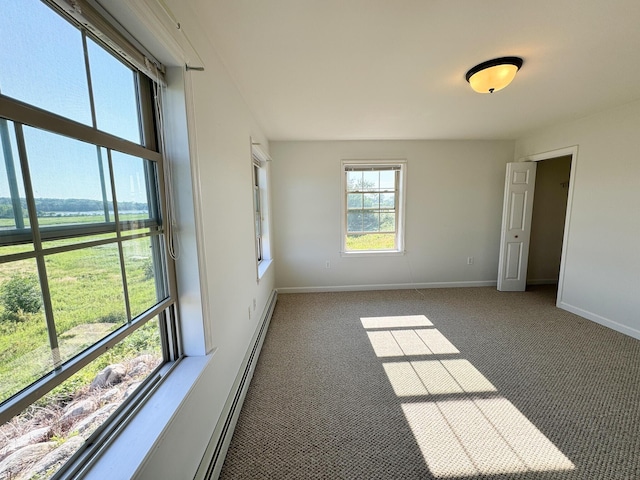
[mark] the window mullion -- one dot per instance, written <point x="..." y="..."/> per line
<point x="88" y="73"/>
<point x="105" y="199"/>
<point x="116" y="215"/>
<point x="37" y="244"/>
<point x="11" y="173"/>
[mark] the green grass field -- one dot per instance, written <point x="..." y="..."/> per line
<point x="86" y="288"/>
<point x="371" y="241"/>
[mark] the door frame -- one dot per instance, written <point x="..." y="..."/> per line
<point x="561" y="152"/>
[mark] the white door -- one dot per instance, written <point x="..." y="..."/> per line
<point x="516" y="226"/>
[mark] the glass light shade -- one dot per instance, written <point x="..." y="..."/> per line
<point x="493" y="78"/>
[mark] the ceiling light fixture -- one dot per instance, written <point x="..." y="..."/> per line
<point x="493" y="75"/>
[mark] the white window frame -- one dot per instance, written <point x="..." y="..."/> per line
<point x="400" y="206"/>
<point x="261" y="203"/>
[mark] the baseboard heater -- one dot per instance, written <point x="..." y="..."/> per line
<point x="211" y="463"/>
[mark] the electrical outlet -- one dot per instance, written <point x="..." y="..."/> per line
<point x="254" y="304"/>
<point x="469" y="260"/>
<point x="327" y="264"/>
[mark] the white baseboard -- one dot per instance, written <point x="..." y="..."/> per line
<point x="542" y="281"/>
<point x="213" y="458"/>
<point x="387" y="286"/>
<point x="619" y="327"/>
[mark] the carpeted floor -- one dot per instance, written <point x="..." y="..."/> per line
<point x="493" y="385"/>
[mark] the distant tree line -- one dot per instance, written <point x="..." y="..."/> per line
<point x="59" y="205"/>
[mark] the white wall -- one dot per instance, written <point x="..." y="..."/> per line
<point x="547" y="221"/>
<point x="602" y="271"/>
<point x="454" y="208"/>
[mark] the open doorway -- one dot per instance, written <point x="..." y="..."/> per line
<point x="548" y="220"/>
<point x="519" y="196"/>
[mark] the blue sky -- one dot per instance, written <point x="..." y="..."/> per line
<point x="42" y="63"/>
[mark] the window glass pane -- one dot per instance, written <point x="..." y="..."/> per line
<point x="136" y="232"/>
<point x="370" y="181"/>
<point x="67" y="178"/>
<point x="371" y="221"/>
<point x="371" y="200"/>
<point x="86" y="295"/>
<point x="387" y="222"/>
<point x="354" y="181"/>
<point x="65" y="418"/>
<point x="132" y="189"/>
<point x="354" y="222"/>
<point x="371" y="241"/>
<point x="141" y="267"/>
<point x="114" y="94"/>
<point x="13" y="205"/>
<point x="42" y="60"/>
<point x="25" y="352"/>
<point x="61" y="242"/>
<point x="354" y="201"/>
<point x="387" y="200"/>
<point x="15" y="236"/>
<point x="388" y="180"/>
<point x="256" y="199"/>
<point x="11" y="249"/>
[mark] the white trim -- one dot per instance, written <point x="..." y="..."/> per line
<point x="261" y="155"/>
<point x="387" y="286"/>
<point x="562" y="152"/>
<point x="373" y="253"/>
<point x="263" y="266"/>
<point x="156" y="18"/>
<point x="259" y="158"/>
<point x="594" y="317"/>
<point x="402" y="192"/>
<point x="198" y="212"/>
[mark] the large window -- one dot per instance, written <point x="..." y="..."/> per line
<point x="373" y="216"/>
<point x="87" y="295"/>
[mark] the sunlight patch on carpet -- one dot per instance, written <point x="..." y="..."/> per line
<point x="396" y="322"/>
<point x="459" y="432"/>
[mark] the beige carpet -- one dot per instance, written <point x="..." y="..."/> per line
<point x="459" y="384"/>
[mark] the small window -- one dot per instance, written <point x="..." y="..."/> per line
<point x="373" y="213"/>
<point x="257" y="211"/>
<point x="260" y="187"/>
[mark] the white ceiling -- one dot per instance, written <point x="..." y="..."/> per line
<point x="394" y="69"/>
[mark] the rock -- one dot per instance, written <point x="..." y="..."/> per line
<point x="109" y="395"/>
<point x="142" y="365"/>
<point x="56" y="457"/>
<point x="34" y="436"/>
<point x="110" y="375"/>
<point x="146" y="358"/>
<point x="86" y="426"/>
<point x="130" y="389"/>
<point x="138" y="370"/>
<point x="79" y="409"/>
<point x="22" y="459"/>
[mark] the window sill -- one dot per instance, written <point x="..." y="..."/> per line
<point x="127" y="453"/>
<point x="263" y="266"/>
<point x="374" y="253"/>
